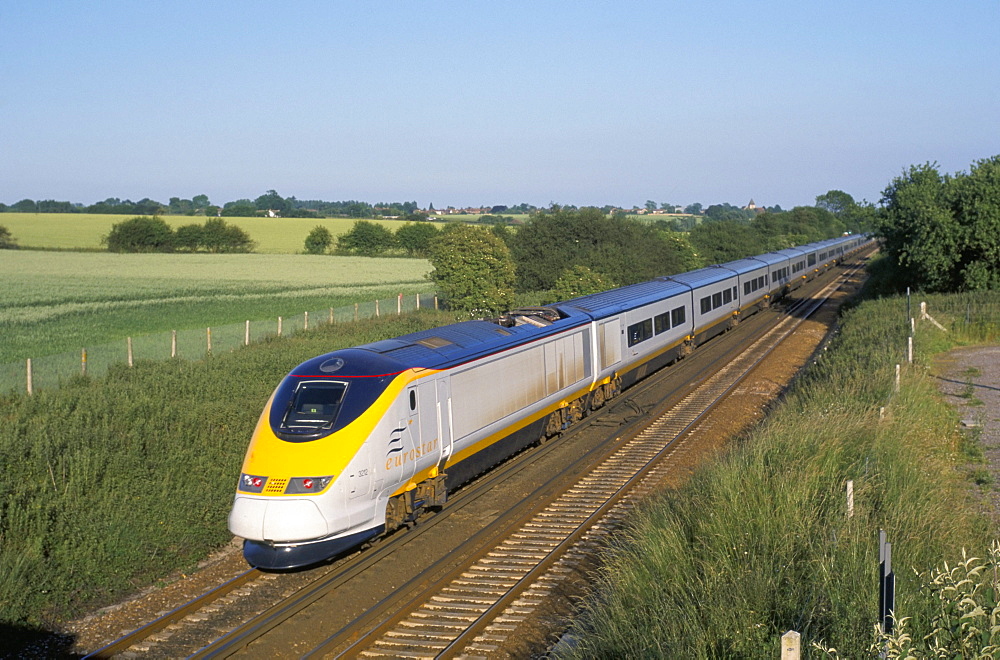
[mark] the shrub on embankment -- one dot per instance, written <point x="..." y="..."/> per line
<point x="759" y="543"/>
<point x="111" y="483"/>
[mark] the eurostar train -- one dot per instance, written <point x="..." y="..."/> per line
<point x="359" y="441"/>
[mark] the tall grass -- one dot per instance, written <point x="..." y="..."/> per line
<point x="109" y="484"/>
<point x="759" y="543"/>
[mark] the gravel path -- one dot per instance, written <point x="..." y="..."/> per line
<point x="970" y="380"/>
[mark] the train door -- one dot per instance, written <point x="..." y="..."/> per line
<point x="610" y="340"/>
<point x="445" y="423"/>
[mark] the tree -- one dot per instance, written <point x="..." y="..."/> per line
<point x="25" y="206"/>
<point x="726" y="240"/>
<point x="580" y="281"/>
<point x="366" y="239"/>
<point x="200" y="202"/>
<point x="319" y="240"/>
<point x="836" y="202"/>
<point x="140" y="234"/>
<point x="271" y="201"/>
<point x="242" y="208"/>
<point x="473" y="270"/>
<point x="942" y="233"/>
<point x="650" y="205"/>
<point x="693" y="209"/>
<point x="624" y="249"/>
<point x="7" y="241"/>
<point x="416" y="237"/>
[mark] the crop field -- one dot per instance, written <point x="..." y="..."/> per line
<point x="53" y="302"/>
<point x="83" y="231"/>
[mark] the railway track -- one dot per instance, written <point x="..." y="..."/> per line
<point x="471" y="608"/>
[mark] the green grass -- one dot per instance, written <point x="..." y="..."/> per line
<point x="83" y="231"/>
<point x="54" y="302"/>
<point x="110" y="484"/>
<point x="759" y="543"/>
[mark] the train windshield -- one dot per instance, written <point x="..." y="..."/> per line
<point x="314" y="406"/>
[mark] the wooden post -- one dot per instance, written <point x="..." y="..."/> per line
<point x="791" y="643"/>
<point x="31" y="385"/>
<point x="399" y="304"/>
<point x="850" y="498"/>
<point x="173" y="343"/>
<point x="418" y="301"/>
<point x="355" y="311"/>
<point x="305" y="321"/>
<point x="909" y="349"/>
<point x="435" y="301"/>
<point x="83" y="362"/>
<point x="128" y="342"/>
<point x="246" y="334"/>
<point x="279" y="326"/>
<point x="208" y="337"/>
<point x="897" y="378"/>
<point x="376" y="307"/>
<point x="331" y="316"/>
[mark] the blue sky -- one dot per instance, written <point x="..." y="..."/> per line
<point x="473" y="103"/>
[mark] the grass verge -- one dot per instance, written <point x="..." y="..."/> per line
<point x="109" y="484"/>
<point x="759" y="543"/>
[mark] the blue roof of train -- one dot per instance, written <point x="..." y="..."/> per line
<point x="609" y="303"/>
<point x="745" y="265"/>
<point x="703" y="276"/>
<point x="460" y="342"/>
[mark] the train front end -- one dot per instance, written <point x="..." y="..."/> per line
<point x="306" y="490"/>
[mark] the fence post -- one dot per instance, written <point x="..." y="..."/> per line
<point x="886" y="584"/>
<point x="909" y="349"/>
<point x="376" y="307"/>
<point x="399" y="304"/>
<point x="435" y="301"/>
<point x="173" y="343"/>
<point x="246" y="334"/>
<point x="31" y="386"/>
<point x="355" y="311"/>
<point x="279" y="326"/>
<point x="208" y="336"/>
<point x="850" y="498"/>
<point x="331" y="316"/>
<point x="790" y="645"/>
<point x="305" y="321"/>
<point x="83" y="362"/>
<point x="128" y="342"/>
<point x="418" y="301"/>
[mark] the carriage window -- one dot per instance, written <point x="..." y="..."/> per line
<point x="413" y="399"/>
<point x="706" y="304"/>
<point x="727" y="296"/>
<point x="716" y="300"/>
<point x="661" y="322"/>
<point x="676" y="316"/>
<point x="640" y="332"/>
<point x="314" y="406"/>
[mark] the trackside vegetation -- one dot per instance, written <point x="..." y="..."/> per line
<point x="759" y="542"/>
<point x="110" y="484"/>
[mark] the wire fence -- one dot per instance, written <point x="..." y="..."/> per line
<point x="50" y="371"/>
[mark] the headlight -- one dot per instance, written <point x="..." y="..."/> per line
<point x="307" y="485"/>
<point x="251" y="483"/>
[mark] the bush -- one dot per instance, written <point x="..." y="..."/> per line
<point x="7" y="241"/>
<point x="140" y="234"/>
<point x="319" y="240"/>
<point x="473" y="270"/>
<point x="217" y="236"/>
<point x="189" y="237"/>
<point x="366" y="239"/>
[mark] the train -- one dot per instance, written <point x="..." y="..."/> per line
<point x="360" y="441"/>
